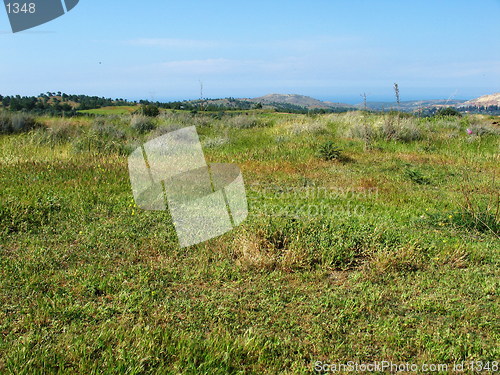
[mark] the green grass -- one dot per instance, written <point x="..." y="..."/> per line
<point x="115" y="110"/>
<point x="380" y="256"/>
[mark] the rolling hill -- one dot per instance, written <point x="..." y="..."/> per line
<point x="485" y="101"/>
<point x="298" y="100"/>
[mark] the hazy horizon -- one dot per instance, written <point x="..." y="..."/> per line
<point x="334" y="99"/>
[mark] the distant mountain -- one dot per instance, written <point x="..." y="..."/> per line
<point x="298" y="100"/>
<point x="415" y="105"/>
<point x="484" y="101"/>
<point x="302" y="104"/>
<point x="280" y="102"/>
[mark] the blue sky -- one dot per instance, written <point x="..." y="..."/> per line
<point x="331" y="50"/>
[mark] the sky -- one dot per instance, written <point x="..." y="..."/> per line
<point x="331" y="50"/>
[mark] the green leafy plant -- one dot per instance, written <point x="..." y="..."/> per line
<point x="328" y="151"/>
<point x="417" y="177"/>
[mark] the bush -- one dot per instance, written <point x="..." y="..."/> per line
<point x="5" y="123"/>
<point x="101" y="138"/>
<point x="58" y="133"/>
<point x="142" y="124"/>
<point x="17" y="122"/>
<point x="449" y="111"/>
<point x="22" y="122"/>
<point x="248" y="121"/>
<point x="108" y="131"/>
<point x="362" y="131"/>
<point x="150" y="110"/>
<point x="62" y="134"/>
<point x="390" y="127"/>
<point x="312" y="127"/>
<point x="483" y="130"/>
<point x="400" y="129"/>
<point x="328" y="151"/>
<point x="243" y="122"/>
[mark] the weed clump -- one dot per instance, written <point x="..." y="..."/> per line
<point x="395" y="128"/>
<point x="59" y="133"/>
<point x="17" y="216"/>
<point x="216" y="142"/>
<point x="391" y="127"/>
<point x="248" y="122"/>
<point x="417" y="177"/>
<point x="313" y="128"/>
<point x="328" y="151"/>
<point x="362" y="131"/>
<point x="101" y="138"/>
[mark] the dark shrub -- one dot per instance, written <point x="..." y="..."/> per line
<point x="17" y="122"/>
<point x="449" y="111"/>
<point x="5" y="123"/>
<point x="142" y="124"/>
<point x="150" y="110"/>
<point x="22" y="122"/>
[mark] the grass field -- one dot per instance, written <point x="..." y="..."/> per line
<point x="115" y="110"/>
<point x="370" y="237"/>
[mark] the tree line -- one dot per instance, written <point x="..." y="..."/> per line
<point x="58" y="103"/>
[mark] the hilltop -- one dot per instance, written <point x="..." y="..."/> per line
<point x="295" y="102"/>
<point x="485" y="101"/>
<point x="278" y="102"/>
<point x="298" y="100"/>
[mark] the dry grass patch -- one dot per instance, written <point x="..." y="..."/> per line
<point x="407" y="258"/>
<point x="251" y="250"/>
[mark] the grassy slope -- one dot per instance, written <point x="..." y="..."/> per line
<point x="360" y="260"/>
<point x="115" y="110"/>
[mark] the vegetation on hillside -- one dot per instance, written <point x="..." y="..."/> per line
<point x="52" y="103"/>
<point x="57" y="104"/>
